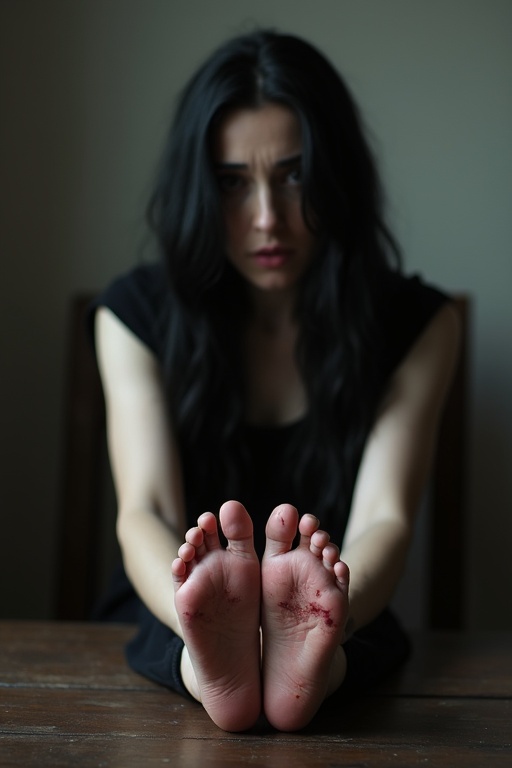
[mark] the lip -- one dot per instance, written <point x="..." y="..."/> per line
<point x="273" y="250"/>
<point x="272" y="257"/>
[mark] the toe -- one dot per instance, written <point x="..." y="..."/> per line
<point x="317" y="542"/>
<point x="330" y="556"/>
<point x="179" y="572"/>
<point x="281" y="530"/>
<point x="237" y="527"/>
<point x="210" y="530"/>
<point x="342" y="574"/>
<point x="194" y="537"/>
<point x="308" y="525"/>
<point x="187" y="552"/>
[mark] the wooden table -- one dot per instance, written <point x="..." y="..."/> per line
<point x="67" y="698"/>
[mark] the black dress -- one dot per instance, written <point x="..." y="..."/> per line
<point x="139" y="299"/>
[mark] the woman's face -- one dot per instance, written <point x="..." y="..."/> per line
<point x="257" y="158"/>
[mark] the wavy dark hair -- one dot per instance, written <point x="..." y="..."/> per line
<point x="338" y="303"/>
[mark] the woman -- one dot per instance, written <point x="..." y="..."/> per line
<point x="277" y="357"/>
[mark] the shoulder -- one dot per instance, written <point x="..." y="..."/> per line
<point x="140" y="300"/>
<point x="407" y="307"/>
<point x="433" y="355"/>
<point x="419" y="384"/>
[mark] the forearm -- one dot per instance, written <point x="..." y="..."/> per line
<point x="149" y="546"/>
<point x="376" y="560"/>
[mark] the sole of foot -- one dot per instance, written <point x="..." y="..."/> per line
<point x="217" y="598"/>
<point x="304" y="610"/>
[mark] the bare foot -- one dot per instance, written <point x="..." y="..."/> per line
<point x="304" y="610"/>
<point x="217" y="597"/>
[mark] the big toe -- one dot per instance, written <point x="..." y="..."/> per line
<point x="281" y="530"/>
<point x="237" y="526"/>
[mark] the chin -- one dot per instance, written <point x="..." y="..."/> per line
<point x="282" y="288"/>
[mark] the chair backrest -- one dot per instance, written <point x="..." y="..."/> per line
<point x="84" y="439"/>
<point x="448" y="513"/>
<point x="80" y="563"/>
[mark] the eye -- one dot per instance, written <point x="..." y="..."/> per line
<point x="294" y="177"/>
<point x="230" y="183"/>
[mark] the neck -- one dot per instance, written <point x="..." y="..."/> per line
<point x="272" y="311"/>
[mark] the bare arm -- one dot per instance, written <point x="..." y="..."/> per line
<point x="395" y="467"/>
<point x="145" y="464"/>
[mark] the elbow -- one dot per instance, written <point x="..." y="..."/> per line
<point x="125" y="527"/>
<point x="122" y="532"/>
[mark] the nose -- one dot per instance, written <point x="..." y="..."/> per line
<point x="266" y="214"/>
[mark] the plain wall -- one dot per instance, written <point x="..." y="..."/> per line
<point x="86" y="94"/>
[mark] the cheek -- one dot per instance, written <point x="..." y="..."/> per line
<point x="296" y="219"/>
<point x="305" y="236"/>
<point x="235" y="226"/>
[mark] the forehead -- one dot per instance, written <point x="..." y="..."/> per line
<point x="271" y="130"/>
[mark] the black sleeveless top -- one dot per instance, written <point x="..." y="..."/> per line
<point x="138" y="299"/>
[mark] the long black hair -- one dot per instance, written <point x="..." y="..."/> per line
<point x="338" y="304"/>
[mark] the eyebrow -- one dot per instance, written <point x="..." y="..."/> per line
<point x="286" y="162"/>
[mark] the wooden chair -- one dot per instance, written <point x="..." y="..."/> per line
<point x="449" y="511"/>
<point x="78" y="567"/>
<point x="80" y="562"/>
